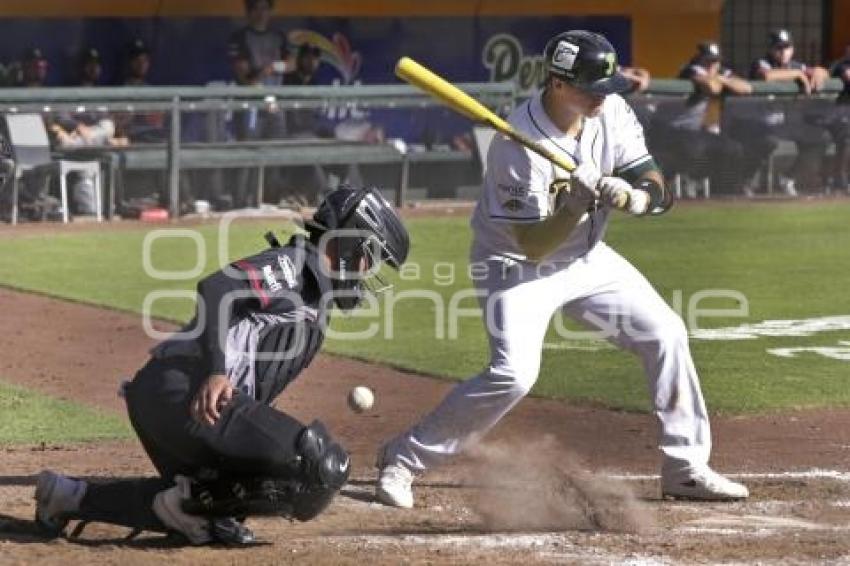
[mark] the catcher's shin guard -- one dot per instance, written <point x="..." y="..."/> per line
<point x="326" y="467"/>
<point x="322" y="469"/>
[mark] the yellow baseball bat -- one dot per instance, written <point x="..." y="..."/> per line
<point x="412" y="72"/>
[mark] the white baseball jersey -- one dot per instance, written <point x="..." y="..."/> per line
<point x="516" y="184"/>
<point x="600" y="289"/>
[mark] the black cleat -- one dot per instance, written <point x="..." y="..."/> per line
<point x="231" y="532"/>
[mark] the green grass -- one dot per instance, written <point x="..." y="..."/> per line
<point x="29" y="417"/>
<point x="789" y="260"/>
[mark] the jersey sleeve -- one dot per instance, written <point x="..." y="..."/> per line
<point x="631" y="157"/>
<point x="691" y="71"/>
<point x="235" y="44"/>
<point x="516" y="183"/>
<point x="269" y="281"/>
<point x="759" y="66"/>
<point x="840" y="68"/>
<point x="284" y="46"/>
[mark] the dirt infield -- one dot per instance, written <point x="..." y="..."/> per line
<point x="481" y="508"/>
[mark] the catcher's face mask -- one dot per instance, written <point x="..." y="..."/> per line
<point x="356" y="267"/>
<point x="362" y="232"/>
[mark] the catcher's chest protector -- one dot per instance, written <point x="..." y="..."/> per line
<point x="283" y="351"/>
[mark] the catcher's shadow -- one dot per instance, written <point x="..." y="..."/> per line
<point x="22" y="531"/>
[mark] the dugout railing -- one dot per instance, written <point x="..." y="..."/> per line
<point x="175" y="153"/>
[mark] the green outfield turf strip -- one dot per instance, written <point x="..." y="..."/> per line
<point x="789" y="260"/>
<point x="29" y="417"/>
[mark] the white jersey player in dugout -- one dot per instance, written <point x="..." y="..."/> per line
<point x="543" y="251"/>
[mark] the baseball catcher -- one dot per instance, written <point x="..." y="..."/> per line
<point x="201" y="406"/>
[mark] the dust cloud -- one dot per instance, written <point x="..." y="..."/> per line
<point x="538" y="485"/>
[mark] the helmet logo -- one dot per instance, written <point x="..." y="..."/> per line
<point x="564" y="57"/>
<point x="611" y="60"/>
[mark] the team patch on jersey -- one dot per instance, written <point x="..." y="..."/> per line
<point x="271" y="281"/>
<point x="565" y="55"/>
<point x="514" y="190"/>
<point x="513" y="205"/>
<point x="287" y="268"/>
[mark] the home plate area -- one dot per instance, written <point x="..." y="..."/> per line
<point x="797" y="517"/>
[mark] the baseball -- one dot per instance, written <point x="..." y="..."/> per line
<point x="360" y="399"/>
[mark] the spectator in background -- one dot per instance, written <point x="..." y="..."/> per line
<point x="639" y="77"/>
<point x="267" y="49"/>
<point x="86" y="128"/>
<point x="716" y="155"/>
<point x="6" y="72"/>
<point x="840" y="127"/>
<point x="34" y="68"/>
<point x="306" y="64"/>
<point x="246" y="124"/>
<point x="140" y="127"/>
<point x="303" y="122"/>
<point x="779" y="65"/>
<point x="688" y="140"/>
<point x="303" y="185"/>
<point x="34" y="200"/>
<point x="244" y="72"/>
<point x="259" y="56"/>
<point x="841" y="70"/>
<point x="711" y="80"/>
<point x="253" y="123"/>
<point x="89" y="67"/>
<point x="138" y="63"/>
<point x="811" y="141"/>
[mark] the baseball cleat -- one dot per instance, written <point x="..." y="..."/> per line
<point x="57" y="497"/>
<point x="168" y="507"/>
<point x="394" y="487"/>
<point x="703" y="485"/>
<point x="231" y="532"/>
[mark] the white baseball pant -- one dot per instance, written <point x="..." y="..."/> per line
<point x="603" y="291"/>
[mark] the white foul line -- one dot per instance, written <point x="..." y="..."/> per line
<point x="814" y="473"/>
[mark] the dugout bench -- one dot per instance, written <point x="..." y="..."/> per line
<point x="117" y="161"/>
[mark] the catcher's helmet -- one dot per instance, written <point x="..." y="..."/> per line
<point x="363" y="225"/>
<point x="585" y="60"/>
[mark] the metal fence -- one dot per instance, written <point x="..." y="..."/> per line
<point x="181" y="147"/>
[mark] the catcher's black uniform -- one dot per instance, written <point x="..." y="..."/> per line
<point x="259" y="321"/>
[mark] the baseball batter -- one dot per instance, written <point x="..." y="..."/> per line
<point x="540" y="237"/>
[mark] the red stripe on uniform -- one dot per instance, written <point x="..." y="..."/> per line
<point x="255" y="279"/>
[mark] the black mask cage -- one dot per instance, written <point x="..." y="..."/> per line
<point x="359" y="259"/>
<point x="365" y="232"/>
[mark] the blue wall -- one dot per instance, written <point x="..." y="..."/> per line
<point x="193" y="51"/>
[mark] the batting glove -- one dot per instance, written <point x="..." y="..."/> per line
<point x="585" y="179"/>
<point x="618" y="193"/>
